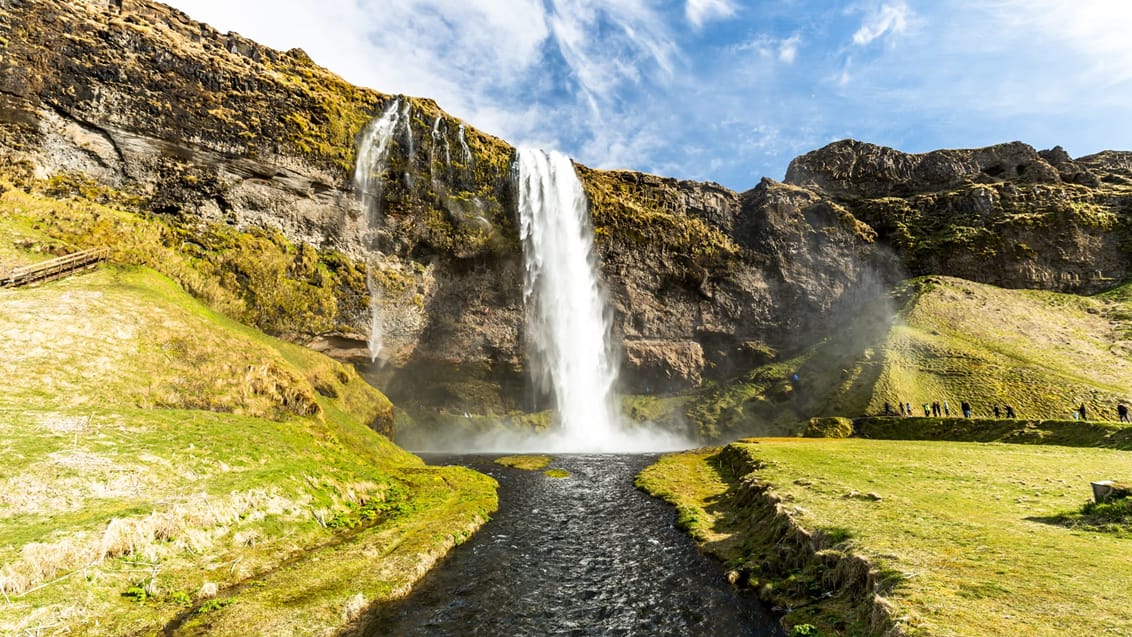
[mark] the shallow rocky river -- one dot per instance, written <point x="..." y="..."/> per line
<point x="585" y="555"/>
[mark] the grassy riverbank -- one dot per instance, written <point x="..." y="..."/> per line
<point x="938" y="538"/>
<point x="166" y="466"/>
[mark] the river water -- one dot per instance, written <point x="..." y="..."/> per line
<point x="585" y="555"/>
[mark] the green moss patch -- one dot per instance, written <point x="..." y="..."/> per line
<point x="526" y="463"/>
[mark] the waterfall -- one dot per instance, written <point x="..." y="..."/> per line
<point x="369" y="171"/>
<point x="407" y="116"/>
<point x="437" y="139"/>
<point x="568" y="325"/>
<point x="467" y="152"/>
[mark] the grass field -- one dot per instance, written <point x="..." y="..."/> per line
<point x="164" y="465"/>
<point x="962" y="539"/>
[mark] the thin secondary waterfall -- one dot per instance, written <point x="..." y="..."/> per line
<point x="568" y="326"/>
<point x="369" y="171"/>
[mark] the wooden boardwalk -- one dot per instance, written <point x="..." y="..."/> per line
<point x="54" y="268"/>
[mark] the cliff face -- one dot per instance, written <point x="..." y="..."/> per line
<point x="211" y="128"/>
<point x="206" y="127"/>
<point x="1006" y="215"/>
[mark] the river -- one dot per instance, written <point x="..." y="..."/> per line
<point x="585" y="555"/>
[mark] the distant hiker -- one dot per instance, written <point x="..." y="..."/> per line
<point x="887" y="409"/>
<point x="1122" y="411"/>
<point x="909" y="406"/>
<point x="935" y="408"/>
<point x="1010" y="412"/>
<point x="966" y="407"/>
<point x="946" y="409"/>
<point x="927" y="410"/>
<point x="997" y="413"/>
<point x="1081" y="411"/>
<point x="902" y="412"/>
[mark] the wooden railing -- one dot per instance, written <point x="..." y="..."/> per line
<point x="54" y="268"/>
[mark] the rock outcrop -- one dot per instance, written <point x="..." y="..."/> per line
<point x="211" y="128"/>
<point x="1006" y="215"/>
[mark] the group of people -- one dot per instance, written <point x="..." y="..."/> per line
<point x="937" y="409"/>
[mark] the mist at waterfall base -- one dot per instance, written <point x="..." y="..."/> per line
<point x="568" y="324"/>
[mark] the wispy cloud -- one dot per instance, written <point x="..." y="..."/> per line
<point x="699" y="12"/>
<point x="889" y="18"/>
<point x="788" y="49"/>
<point x="694" y="88"/>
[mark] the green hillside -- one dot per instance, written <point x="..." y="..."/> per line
<point x="166" y="465"/>
<point x="941" y="339"/>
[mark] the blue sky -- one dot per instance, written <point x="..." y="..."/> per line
<point x="728" y="90"/>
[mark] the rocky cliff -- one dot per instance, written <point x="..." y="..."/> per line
<point x="207" y="130"/>
<point x="1007" y="214"/>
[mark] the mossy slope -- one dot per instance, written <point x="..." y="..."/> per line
<point x="940" y="339"/>
<point x="166" y="464"/>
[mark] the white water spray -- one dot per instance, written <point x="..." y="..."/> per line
<point x="568" y="324"/>
<point x="369" y="171"/>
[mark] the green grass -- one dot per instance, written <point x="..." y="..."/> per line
<point x="160" y="457"/>
<point x="526" y="463"/>
<point x="942" y="339"/>
<point x="961" y="538"/>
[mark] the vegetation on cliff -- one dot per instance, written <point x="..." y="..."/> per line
<point x="865" y="537"/>
<point x="257" y="277"/>
<point x="939" y="339"/>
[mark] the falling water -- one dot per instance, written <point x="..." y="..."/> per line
<point x="464" y="147"/>
<point x="568" y="324"/>
<point x="369" y="170"/>
<point x="407" y="117"/>
<point x="439" y="138"/>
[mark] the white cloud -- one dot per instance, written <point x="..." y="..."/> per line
<point x="1095" y="30"/>
<point x="888" y="18"/>
<point x="784" y="50"/>
<point x="699" y="12"/>
<point x="788" y="49"/>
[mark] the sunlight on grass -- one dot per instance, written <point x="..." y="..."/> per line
<point x="974" y="536"/>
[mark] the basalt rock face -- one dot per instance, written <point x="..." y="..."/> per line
<point x="207" y="127"/>
<point x="703" y="282"/>
<point x="706" y="282"/>
<point x="1006" y="215"/>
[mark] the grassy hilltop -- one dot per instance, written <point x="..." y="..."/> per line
<point x="938" y="339"/>
<point x="165" y="466"/>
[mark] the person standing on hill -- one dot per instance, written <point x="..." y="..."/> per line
<point x="946" y="409"/>
<point x="1010" y="412"/>
<point x="966" y="407"/>
<point x="1081" y="411"/>
<point x="997" y="413"/>
<point x="1122" y="411"/>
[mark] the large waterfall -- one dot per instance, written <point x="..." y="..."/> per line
<point x="369" y="171"/>
<point x="568" y="323"/>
